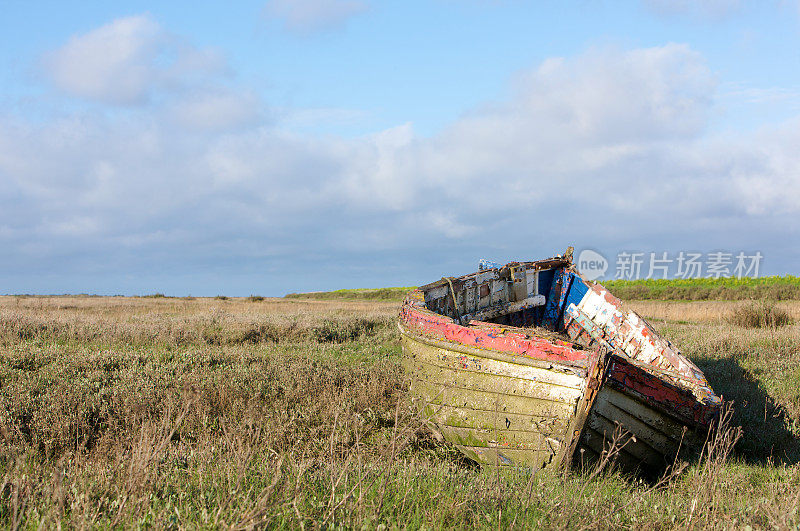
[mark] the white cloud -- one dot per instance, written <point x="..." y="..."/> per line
<point x="126" y="60"/>
<point x="769" y="182"/>
<point x="113" y="63"/>
<point x="380" y="175"/>
<point x="307" y="16"/>
<point x="300" y="119"/>
<point x="568" y="120"/>
<point x="218" y="110"/>
<point x="446" y="224"/>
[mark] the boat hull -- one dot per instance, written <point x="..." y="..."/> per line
<point x="529" y="364"/>
<point x="514" y="411"/>
<point x="497" y="409"/>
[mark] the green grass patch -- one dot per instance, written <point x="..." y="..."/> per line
<point x="693" y="289"/>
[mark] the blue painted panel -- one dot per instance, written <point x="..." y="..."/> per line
<point x="577" y="290"/>
<point x="545" y="281"/>
<point x="565" y="288"/>
<point x="551" y="308"/>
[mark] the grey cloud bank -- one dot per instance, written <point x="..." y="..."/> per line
<point x="195" y="188"/>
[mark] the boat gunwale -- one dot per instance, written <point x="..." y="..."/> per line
<point x="701" y="420"/>
<point x="537" y="265"/>
<point x="577" y="369"/>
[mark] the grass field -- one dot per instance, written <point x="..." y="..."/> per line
<point x="163" y="412"/>
<point x="695" y="289"/>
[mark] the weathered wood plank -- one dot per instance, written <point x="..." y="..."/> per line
<point x="598" y="443"/>
<point x="584" y="456"/>
<point x="644" y="432"/>
<point x="490" y="402"/>
<point x="490" y="312"/>
<point x="519" y="440"/>
<point x="455" y="360"/>
<point x="461" y="417"/>
<point x="659" y="421"/>
<point x="508" y="385"/>
<point x="486" y="344"/>
<point x="636" y="447"/>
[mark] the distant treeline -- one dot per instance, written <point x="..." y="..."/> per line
<point x="696" y="289"/>
<point x="378" y="294"/>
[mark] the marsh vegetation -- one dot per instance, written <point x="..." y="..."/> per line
<point x="243" y="413"/>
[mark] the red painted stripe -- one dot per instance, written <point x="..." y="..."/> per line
<point x="660" y="392"/>
<point x="429" y="323"/>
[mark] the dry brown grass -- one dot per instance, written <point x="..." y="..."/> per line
<point x="760" y="314"/>
<point x="165" y="412"/>
<point x="104" y="400"/>
<point x="702" y="311"/>
<point x="147" y="321"/>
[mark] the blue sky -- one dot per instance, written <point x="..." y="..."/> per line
<point x="289" y="145"/>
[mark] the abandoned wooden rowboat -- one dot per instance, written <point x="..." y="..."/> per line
<point x="529" y="364"/>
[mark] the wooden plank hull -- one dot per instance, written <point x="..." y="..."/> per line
<point x="496" y="411"/>
<point x="649" y="440"/>
<point x="652" y="420"/>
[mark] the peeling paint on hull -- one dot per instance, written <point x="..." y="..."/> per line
<point x="495" y="410"/>
<point x="512" y="396"/>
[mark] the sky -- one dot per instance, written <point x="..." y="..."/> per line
<point x="267" y="147"/>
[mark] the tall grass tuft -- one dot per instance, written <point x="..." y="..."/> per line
<point x="760" y="314"/>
